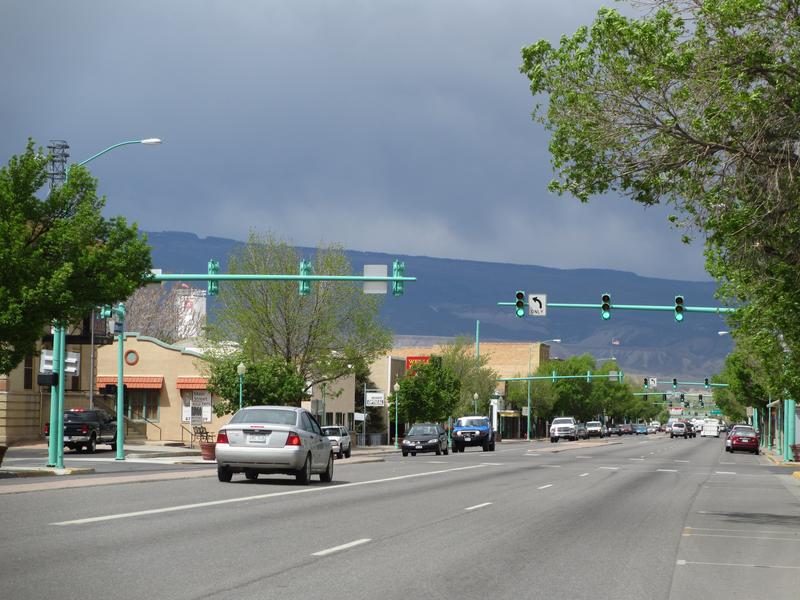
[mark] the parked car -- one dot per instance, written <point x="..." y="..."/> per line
<point x="473" y="431"/>
<point x="595" y="429"/>
<point x="563" y="427"/>
<point x="640" y="429"/>
<point x="580" y="431"/>
<point x="742" y="437"/>
<point x="652" y="429"/>
<point x="678" y="429"/>
<point x="626" y="429"/>
<point x="425" y="437"/>
<point x="84" y="429"/>
<point x="273" y="439"/>
<point x="340" y="440"/>
<point x="614" y="430"/>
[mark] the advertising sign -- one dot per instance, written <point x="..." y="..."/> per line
<point x="375" y="399"/>
<point x="676" y="411"/>
<point x="412" y="360"/>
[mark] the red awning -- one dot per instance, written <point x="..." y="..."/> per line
<point x="191" y="383"/>
<point x="145" y="382"/>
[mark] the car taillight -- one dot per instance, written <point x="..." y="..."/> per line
<point x="222" y="437"/>
<point x="47" y="428"/>
<point x="85" y="429"/>
<point x="293" y="440"/>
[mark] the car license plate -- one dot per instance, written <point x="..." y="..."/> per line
<point x="745" y="440"/>
<point x="256" y="439"/>
<point x="67" y="438"/>
<point x="467" y="438"/>
<point x="418" y="446"/>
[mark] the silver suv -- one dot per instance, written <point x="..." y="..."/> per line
<point x="340" y="440"/>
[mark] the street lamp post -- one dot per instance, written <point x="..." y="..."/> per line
<point x="60" y="349"/>
<point x="396" y="389"/>
<point x="241" y="370"/>
<point x="475" y="403"/>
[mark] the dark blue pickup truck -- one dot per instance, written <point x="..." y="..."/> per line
<point x="84" y="429"/>
<point x="472" y="431"/>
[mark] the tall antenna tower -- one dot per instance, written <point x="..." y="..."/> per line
<point x="57" y="167"/>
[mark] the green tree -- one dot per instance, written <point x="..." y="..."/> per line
<point x="472" y="373"/>
<point x="324" y="335"/>
<point x="269" y="380"/>
<point x="697" y="105"/>
<point x="430" y="394"/>
<point x="59" y="258"/>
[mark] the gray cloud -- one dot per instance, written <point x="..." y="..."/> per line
<point x="389" y="126"/>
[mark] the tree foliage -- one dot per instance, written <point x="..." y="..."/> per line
<point x="162" y="313"/>
<point x="430" y="393"/>
<point x="59" y="258"/>
<point x="472" y="373"/>
<point x="270" y="380"/>
<point x="695" y="104"/>
<point x="324" y="335"/>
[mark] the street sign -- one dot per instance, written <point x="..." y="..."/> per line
<point x="537" y="305"/>
<point x="376" y="287"/>
<point x="374" y="399"/>
<point x="524" y="411"/>
<point x="715" y="412"/>
<point x="72" y="362"/>
<point x="653" y="382"/>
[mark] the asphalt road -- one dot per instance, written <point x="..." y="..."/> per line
<point x="648" y="518"/>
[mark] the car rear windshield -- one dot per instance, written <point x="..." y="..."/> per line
<point x="477" y="422"/>
<point x="272" y="416"/>
<point x="331" y="431"/>
<point x="679" y="425"/>
<point x="423" y="430"/>
<point x="80" y="417"/>
<point x="744" y="431"/>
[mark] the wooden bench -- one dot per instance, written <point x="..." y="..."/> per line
<point x="203" y="434"/>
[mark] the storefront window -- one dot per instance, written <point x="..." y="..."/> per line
<point x="142" y="404"/>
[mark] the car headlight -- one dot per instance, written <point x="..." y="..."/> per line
<point x="433" y="441"/>
<point x="458" y="434"/>
<point x="406" y="443"/>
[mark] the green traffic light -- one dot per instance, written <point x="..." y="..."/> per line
<point x="398" y="269"/>
<point x="605" y="307"/>
<point x="679" y="308"/>
<point x="520" y="303"/>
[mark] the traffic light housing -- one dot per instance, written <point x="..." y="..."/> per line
<point x="213" y="286"/>
<point x="700" y="399"/>
<point x="644" y="385"/>
<point x="674" y="383"/>
<point x="705" y="383"/>
<point x="398" y="269"/>
<point x="684" y="401"/>
<point x="679" y="308"/>
<point x="605" y="306"/>
<point x="520" y="303"/>
<point x="304" y="286"/>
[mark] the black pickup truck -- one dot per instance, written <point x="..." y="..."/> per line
<point x="84" y="429"/>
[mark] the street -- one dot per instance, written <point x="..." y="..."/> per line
<point x="649" y="517"/>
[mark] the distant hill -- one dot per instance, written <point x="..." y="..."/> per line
<point x="450" y="295"/>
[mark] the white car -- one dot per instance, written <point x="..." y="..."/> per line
<point x="340" y="440"/>
<point x="710" y="428"/>
<point x="563" y="427"/>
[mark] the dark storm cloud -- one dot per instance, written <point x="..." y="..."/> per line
<point x="393" y="126"/>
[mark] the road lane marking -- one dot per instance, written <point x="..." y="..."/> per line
<point x="492" y="464"/>
<point x="691" y="562"/>
<point x="583" y="475"/>
<point x="342" y="547"/>
<point x="635" y="459"/>
<point x="610" y="468"/>
<point x="584" y="457"/>
<point x="544" y="487"/>
<point x="531" y="454"/>
<point x="739" y="537"/>
<point x="666" y="470"/>
<point x="436" y="462"/>
<point x="551" y="466"/>
<point x="682" y="461"/>
<point x="478" y="506"/>
<point x="741" y="531"/>
<point x="308" y="490"/>
<point x="725" y="472"/>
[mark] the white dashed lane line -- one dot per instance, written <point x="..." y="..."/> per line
<point x="666" y="470"/>
<point x="725" y="472"/>
<point x="477" y="506"/>
<point x="342" y="547"/>
<point x="583" y="475"/>
<point x="544" y="487"/>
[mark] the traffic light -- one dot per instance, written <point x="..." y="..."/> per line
<point x="679" y="308"/>
<point x="398" y="268"/>
<point x="645" y="383"/>
<point x="705" y="383"/>
<point x="605" y="307"/>
<point x="684" y="401"/>
<point x="213" y="269"/>
<point x="304" y="269"/>
<point x="674" y="383"/>
<point x="520" y="303"/>
<point x="700" y="399"/>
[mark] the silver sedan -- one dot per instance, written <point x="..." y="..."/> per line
<point x="273" y="439"/>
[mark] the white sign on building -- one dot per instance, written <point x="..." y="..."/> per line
<point x="375" y="399"/>
<point x="196" y="406"/>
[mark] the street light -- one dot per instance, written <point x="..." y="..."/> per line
<point x="55" y="455"/>
<point x="475" y="403"/>
<point x="396" y="389"/>
<point x="241" y="370"/>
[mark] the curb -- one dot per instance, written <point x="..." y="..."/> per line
<point x="43" y="471"/>
<point x="777" y="462"/>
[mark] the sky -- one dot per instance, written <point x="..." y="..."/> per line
<point x="390" y="126"/>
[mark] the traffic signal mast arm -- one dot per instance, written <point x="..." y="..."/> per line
<point x="261" y="277"/>
<point x="588" y="376"/>
<point x="697" y="309"/>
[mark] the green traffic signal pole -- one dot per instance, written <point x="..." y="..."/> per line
<point x="118" y="311"/>
<point x="52" y="452"/>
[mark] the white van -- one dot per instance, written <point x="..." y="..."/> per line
<point x="710" y="428"/>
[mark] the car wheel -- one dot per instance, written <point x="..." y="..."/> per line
<point x="405" y="453"/>
<point x="486" y="446"/>
<point x="491" y="447"/>
<point x="340" y="454"/>
<point x="438" y="450"/>
<point x="327" y="474"/>
<point x="413" y="454"/>
<point x="224" y="474"/>
<point x="251" y="475"/>
<point x="756" y="451"/>
<point x="347" y="454"/>
<point x="113" y="446"/>
<point x="553" y="440"/>
<point x="446" y="451"/>
<point x="91" y="447"/>
<point x="303" y="476"/>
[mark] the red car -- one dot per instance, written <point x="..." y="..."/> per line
<point x="742" y="438"/>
